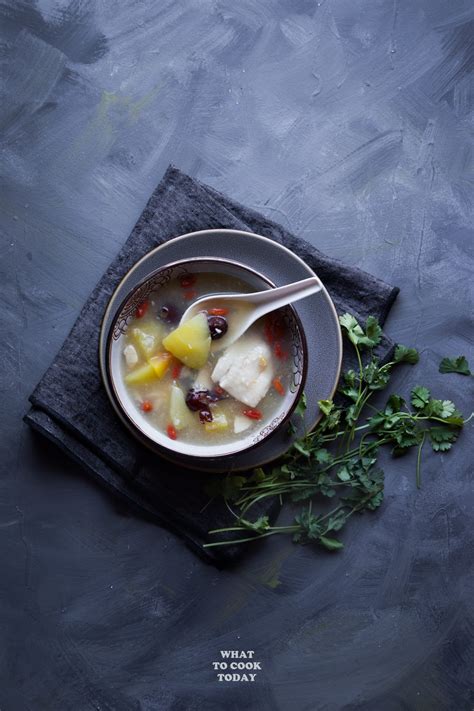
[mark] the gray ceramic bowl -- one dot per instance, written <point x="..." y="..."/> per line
<point x="138" y="422"/>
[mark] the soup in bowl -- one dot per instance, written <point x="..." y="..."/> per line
<point x="173" y="382"/>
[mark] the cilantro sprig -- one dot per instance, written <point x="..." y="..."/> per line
<point x="455" y="365"/>
<point x="337" y="461"/>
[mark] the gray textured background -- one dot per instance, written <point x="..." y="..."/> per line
<point x="350" y="122"/>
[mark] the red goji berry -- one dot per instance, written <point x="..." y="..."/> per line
<point x="189" y="295"/>
<point x="141" y="309"/>
<point x="253" y="414"/>
<point x="187" y="280"/>
<point x="171" y="432"/>
<point x="176" y="370"/>
<point x="218" y="312"/>
<point x="146" y="406"/>
<point x="278" y="351"/>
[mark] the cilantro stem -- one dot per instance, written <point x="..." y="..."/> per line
<point x="418" y="461"/>
<point x="361" y="369"/>
<point x="331" y="438"/>
<point x="250" y="501"/>
<point x="435" y="419"/>
<point x="289" y="529"/>
<point x="331" y="513"/>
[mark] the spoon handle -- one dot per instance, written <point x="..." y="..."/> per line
<point x="271" y="299"/>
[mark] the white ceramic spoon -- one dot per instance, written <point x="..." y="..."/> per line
<point x="247" y="308"/>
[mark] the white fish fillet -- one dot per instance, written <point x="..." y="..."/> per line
<point x="245" y="370"/>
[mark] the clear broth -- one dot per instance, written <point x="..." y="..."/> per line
<point x="270" y="329"/>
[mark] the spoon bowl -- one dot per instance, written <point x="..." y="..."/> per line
<point x="248" y="308"/>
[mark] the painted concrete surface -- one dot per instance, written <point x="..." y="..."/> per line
<point x="350" y="122"/>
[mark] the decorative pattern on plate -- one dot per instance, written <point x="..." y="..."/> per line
<point x="297" y="354"/>
<point x="128" y="311"/>
<point x="269" y="428"/>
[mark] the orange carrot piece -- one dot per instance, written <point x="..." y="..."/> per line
<point x="278" y="386"/>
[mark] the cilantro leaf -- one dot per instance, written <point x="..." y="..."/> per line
<point x="257" y="476"/>
<point x="407" y="437"/>
<point x="455" y="365"/>
<point x="337" y="521"/>
<point x="343" y="474"/>
<point x="436" y="408"/>
<point x="325" y="406"/>
<point x="302" y="447"/>
<point x="406" y="355"/>
<point x="325" y="486"/>
<point x="286" y="472"/>
<point x="375" y="501"/>
<point x="261" y="525"/>
<point x="420" y="397"/>
<point x="229" y="487"/>
<point x="309" y="524"/>
<point x="372" y="335"/>
<point x="332" y="419"/>
<point x="323" y="456"/>
<point x="373" y="332"/>
<point x="447" y="408"/>
<point x="350" y="392"/>
<point x="354" y="331"/>
<point x="455" y="420"/>
<point x="375" y="377"/>
<point x="332" y="544"/>
<point x="395" y="403"/>
<point x="306" y="493"/>
<point x="300" y="409"/>
<point x="349" y="377"/>
<point x="352" y="413"/>
<point x="442" y="438"/>
<point x="369" y="496"/>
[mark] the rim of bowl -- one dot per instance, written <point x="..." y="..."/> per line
<point x="117" y="403"/>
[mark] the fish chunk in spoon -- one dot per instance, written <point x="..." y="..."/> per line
<point x="245" y="370"/>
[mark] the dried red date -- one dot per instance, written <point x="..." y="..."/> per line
<point x="217" y="326"/>
<point x="205" y="415"/>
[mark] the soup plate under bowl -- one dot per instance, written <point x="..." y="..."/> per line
<point x="122" y="399"/>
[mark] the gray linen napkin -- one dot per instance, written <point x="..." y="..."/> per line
<point x="70" y="407"/>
